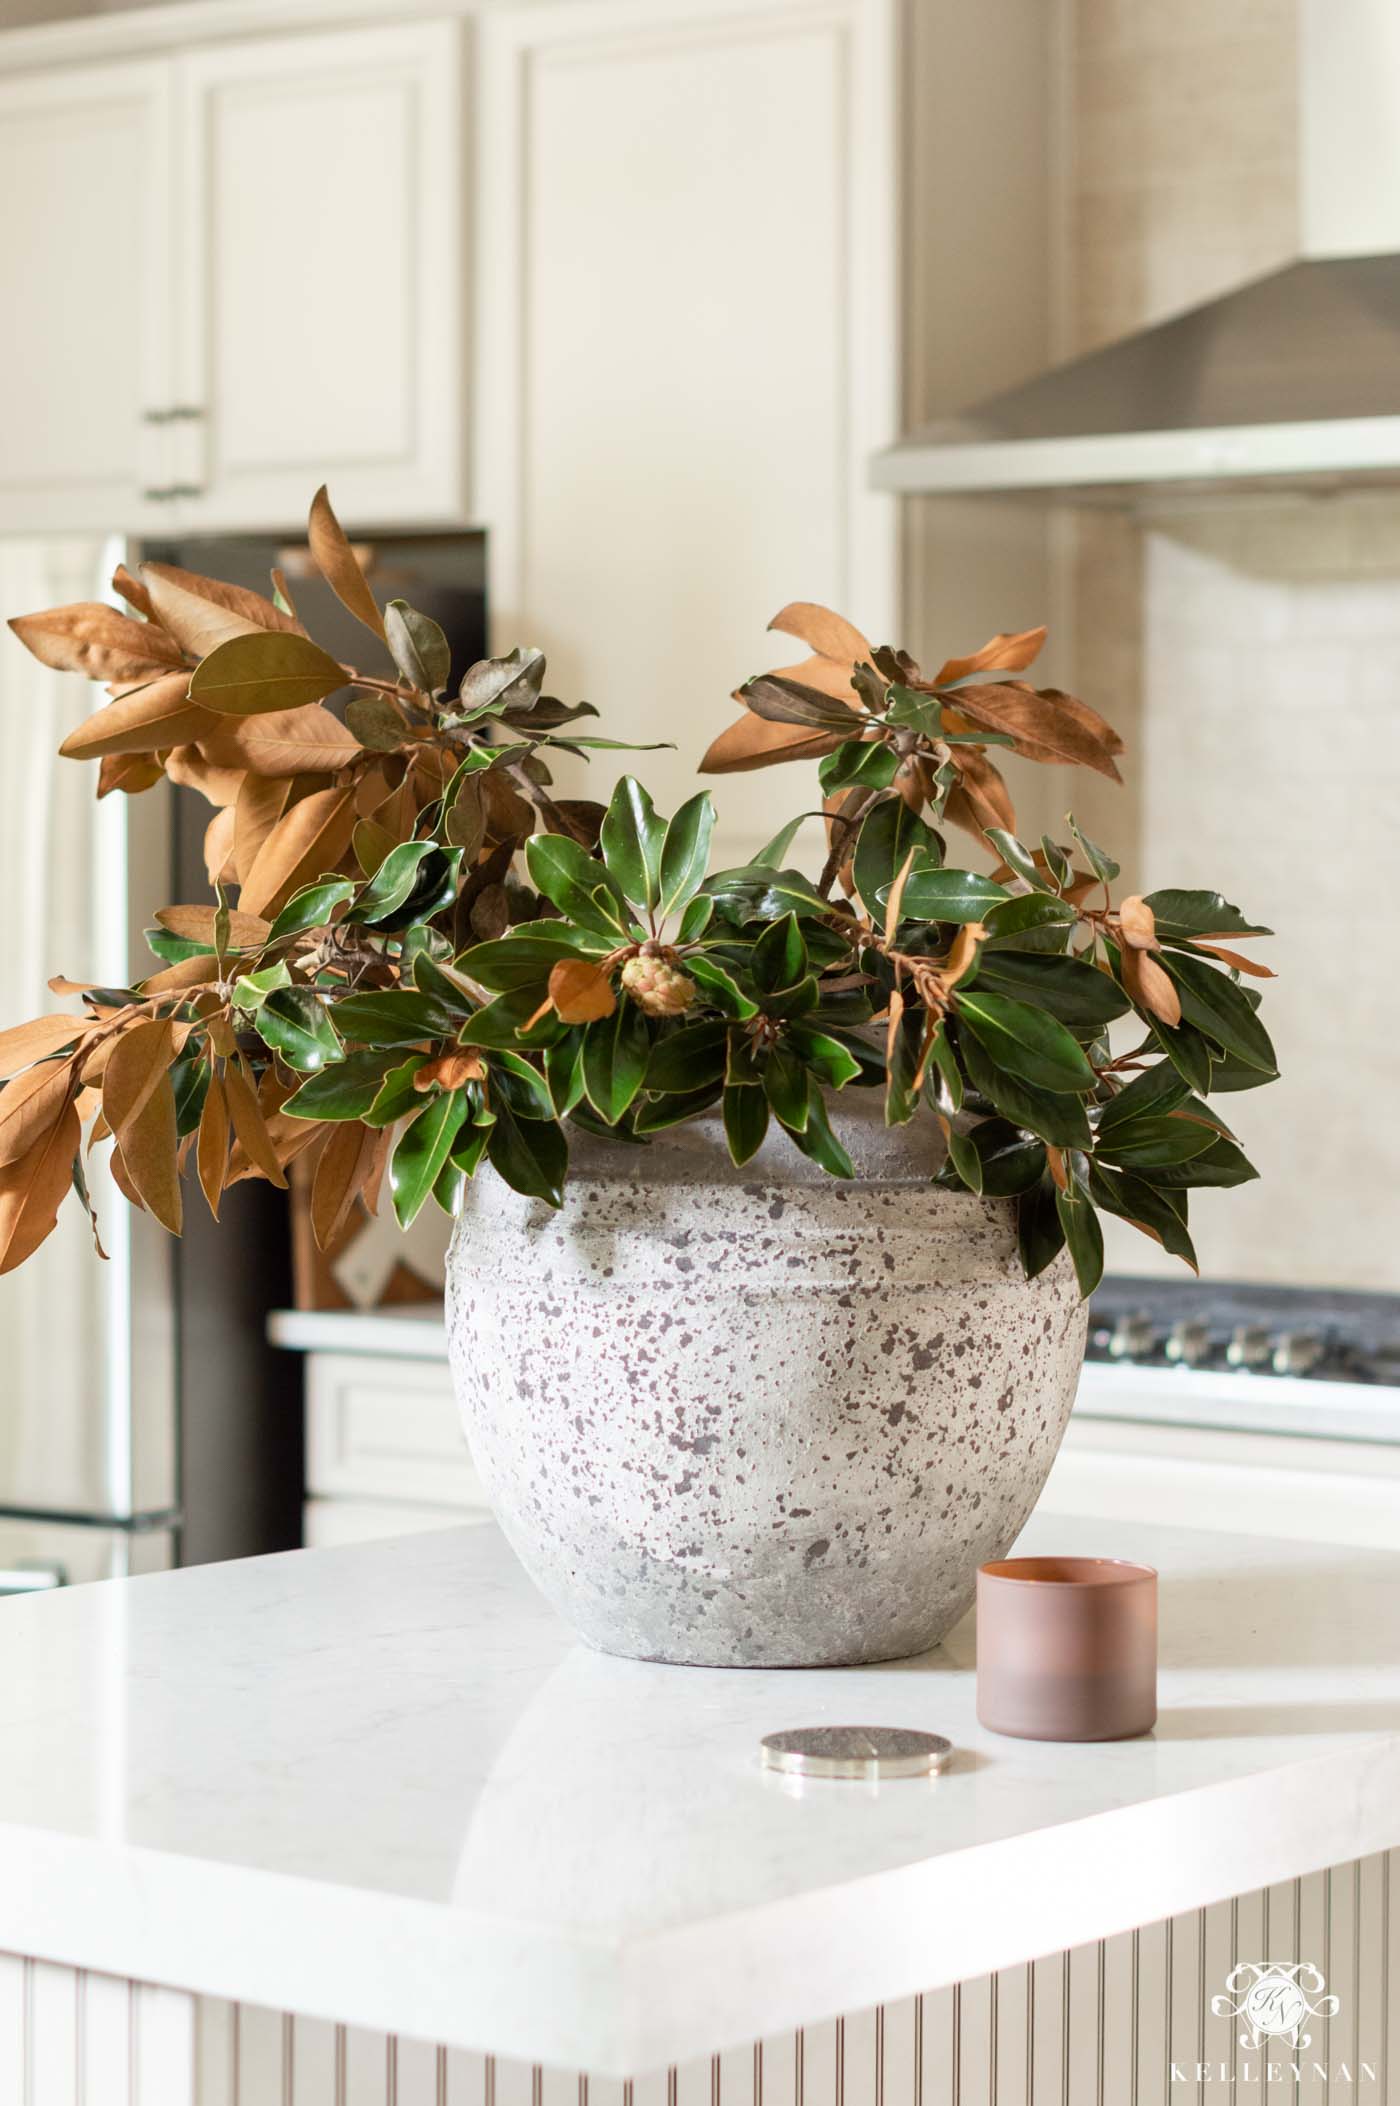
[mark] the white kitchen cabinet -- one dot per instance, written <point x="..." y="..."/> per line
<point x="232" y="273"/>
<point x="320" y="269"/>
<point x="85" y="350"/>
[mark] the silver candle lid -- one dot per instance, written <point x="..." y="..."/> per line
<point x="855" y="1751"/>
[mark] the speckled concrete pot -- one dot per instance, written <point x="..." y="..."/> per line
<point x="759" y="1417"/>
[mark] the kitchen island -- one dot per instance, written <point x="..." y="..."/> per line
<point x="382" y="1787"/>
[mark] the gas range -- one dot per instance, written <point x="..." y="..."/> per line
<point x="1232" y="1356"/>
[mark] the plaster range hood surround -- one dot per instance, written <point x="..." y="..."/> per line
<point x="1291" y="378"/>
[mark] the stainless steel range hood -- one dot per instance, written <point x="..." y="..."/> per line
<point x="1293" y="377"/>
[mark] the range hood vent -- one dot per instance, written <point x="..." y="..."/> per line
<point x="1293" y="378"/>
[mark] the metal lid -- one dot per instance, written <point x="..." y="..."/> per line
<point x="856" y="1751"/>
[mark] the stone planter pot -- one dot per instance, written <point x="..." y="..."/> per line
<point x="759" y="1417"/>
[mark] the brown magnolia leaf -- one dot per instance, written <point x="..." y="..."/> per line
<point x="825" y="674"/>
<point x="979" y="798"/>
<point x="371" y="843"/>
<point x="32" y="1190"/>
<point x="1236" y="959"/>
<point x="1010" y="652"/>
<point x="250" y="607"/>
<point x="1149" y="986"/>
<point x="1137" y="924"/>
<point x="197" y="624"/>
<point x="138" y="1061"/>
<point x="1056" y="1161"/>
<point x="217" y="786"/>
<point x="896" y="896"/>
<point x="508" y="816"/>
<point x="262" y="672"/>
<point x="148" y="1145"/>
<point x="751" y="742"/>
<point x="449" y="1071"/>
<point x="828" y="634"/>
<point x="894" y="1016"/>
<point x="219" y="862"/>
<point x="282" y="742"/>
<point x="788" y="702"/>
<point x="131" y="590"/>
<point x="490" y="913"/>
<point x="88" y="1102"/>
<point x="129" y="772"/>
<point x="397" y="812"/>
<point x="1081" y="884"/>
<point x="340" y="1173"/>
<point x="30" y="1104"/>
<point x="1040" y="728"/>
<point x="374" y="1176"/>
<point x="465" y="825"/>
<point x="93" y="639"/>
<point x="23" y="1044"/>
<point x="143" y="720"/>
<point x="211" y="1150"/>
<point x="196" y="925"/>
<point x="122" y="1180"/>
<point x="335" y="559"/>
<point x="259" y="805"/>
<point x="962" y="953"/>
<point x="306" y="842"/>
<point x="580" y="991"/>
<point x="251" y="1127"/>
<point x="1071" y="709"/>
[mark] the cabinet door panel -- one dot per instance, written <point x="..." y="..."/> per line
<point x="84" y="271"/>
<point x="319" y="327"/>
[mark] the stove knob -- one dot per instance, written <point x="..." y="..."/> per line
<point x="1132" y="1337"/>
<point x="1250" y="1347"/>
<point x="1188" y="1342"/>
<point x="1297" y="1352"/>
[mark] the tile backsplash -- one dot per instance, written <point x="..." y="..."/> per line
<point x="1250" y="654"/>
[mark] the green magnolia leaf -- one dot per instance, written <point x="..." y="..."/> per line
<point x="271" y="670"/>
<point x="745" y="1121"/>
<point x="964" y="1158"/>
<point x="1057" y="861"/>
<point x="1134" y="1199"/>
<point x="532" y="1155"/>
<point x="685" y="854"/>
<point x="1220" y="1009"/>
<point x="943" y="1082"/>
<point x="1025" y="1041"/>
<point x="1178" y="913"/>
<point x="396" y="1098"/>
<point x="528" y="956"/>
<point x="1156" y="1091"/>
<point x="1078" y="994"/>
<point x="781" y="701"/>
<point x="1040" y="1233"/>
<point x="816" y="1139"/>
<point x="344" y="1090"/>
<point x="312" y="907"/>
<point x="420" y="650"/>
<point x="563" y="1071"/>
<point x="576" y="883"/>
<point x="502" y="1023"/>
<point x="616" y="1050"/>
<point x="654" y="1114"/>
<point x="1032" y="921"/>
<point x="1018" y="857"/>
<point x="393" y="1016"/>
<point x="632" y="840"/>
<point x="689" y="1059"/>
<point x="887" y="833"/>
<point x="174" y="949"/>
<point x="296" y="1024"/>
<point x="723" y="991"/>
<point x="1098" y="859"/>
<point x="785" y="1080"/>
<point x="422" y="1150"/>
<point x="779" y="958"/>
<point x="774" y="853"/>
<point x="1011" y="1161"/>
<point x="1221" y="1164"/>
<point x="1084" y="1235"/>
<point x="1191" y="1054"/>
<point x="189" y="1080"/>
<point x="947" y="895"/>
<point x="1054" y="1115"/>
<point x="832" y="1062"/>
<point x="696" y="918"/>
<point x="525" y="1088"/>
<point x="869" y="1059"/>
<point x="1148" y="1143"/>
<point x="867" y="765"/>
<point x="392" y="882"/>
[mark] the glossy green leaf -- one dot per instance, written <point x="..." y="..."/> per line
<point x="1185" y="913"/>
<point x="1223" y="1163"/>
<point x="1133" y="1199"/>
<point x="1011" y="1161"/>
<point x="1149" y="1143"/>
<point x="964" y="1158"/>
<point x="868" y="765"/>
<point x="690" y="1058"/>
<point x="1084" y="1235"/>
<point x="1078" y="994"/>
<point x="524" y="1087"/>
<point x="173" y="950"/>
<point x="943" y="1081"/>
<point x="947" y="895"/>
<point x="393" y="1016"/>
<point x="532" y="1155"/>
<point x="311" y="907"/>
<point x="779" y="958"/>
<point x="816" y="1139"/>
<point x="719" y="986"/>
<point x="503" y="1022"/>
<point x="1054" y="1115"/>
<point x="1153" y="1093"/>
<point x="396" y="1098"/>
<point x="886" y="836"/>
<point x="685" y="854"/>
<point x="345" y="1090"/>
<point x="616" y="1050"/>
<point x="392" y="882"/>
<point x="1190" y="1053"/>
<point x="527" y="956"/>
<point x="1032" y="921"/>
<point x="785" y="1081"/>
<point x="655" y="1114"/>
<point x="831" y="1061"/>
<point x="421" y="1151"/>
<point x="1219" y="1008"/>
<point x="295" y="1023"/>
<point x="563" y="1071"/>
<point x="1098" y="859"/>
<point x="632" y="841"/>
<point x="745" y="1121"/>
<point x="576" y="883"/>
<point x="189" y="1080"/>
<point x="1018" y="857"/>
<point x="1025" y="1041"/>
<point x="1040" y="1234"/>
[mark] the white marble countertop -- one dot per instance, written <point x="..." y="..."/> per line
<point x="382" y="1784"/>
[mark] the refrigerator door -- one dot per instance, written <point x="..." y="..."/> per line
<point x="38" y="1555"/>
<point x="87" y="1393"/>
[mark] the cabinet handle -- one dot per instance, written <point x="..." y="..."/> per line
<point x="163" y="495"/>
<point x="178" y="413"/>
<point x="36" y="1578"/>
